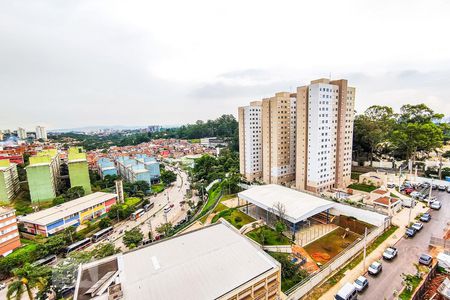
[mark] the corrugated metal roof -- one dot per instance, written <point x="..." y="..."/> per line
<point x="298" y="205"/>
<point x="203" y="264"/>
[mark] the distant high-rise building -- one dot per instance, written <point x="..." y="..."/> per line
<point x="154" y="128"/>
<point x="9" y="180"/>
<point x="78" y="169"/>
<point x="42" y="175"/>
<point x="303" y="138"/>
<point x="41" y="133"/>
<point x="21" y="133"/>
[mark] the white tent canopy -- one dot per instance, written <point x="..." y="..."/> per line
<point x="298" y="206"/>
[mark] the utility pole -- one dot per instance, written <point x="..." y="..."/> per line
<point x="151" y="230"/>
<point x="365" y="245"/>
<point x="410" y="209"/>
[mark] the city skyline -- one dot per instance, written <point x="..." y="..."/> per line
<point x="116" y="63"/>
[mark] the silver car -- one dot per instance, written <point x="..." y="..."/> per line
<point x="361" y="283"/>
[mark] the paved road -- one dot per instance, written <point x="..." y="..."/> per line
<point x="383" y="286"/>
<point x="173" y="195"/>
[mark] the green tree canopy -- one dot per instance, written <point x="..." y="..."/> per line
<point x="133" y="236"/>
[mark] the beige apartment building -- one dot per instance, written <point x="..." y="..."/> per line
<point x="306" y="137"/>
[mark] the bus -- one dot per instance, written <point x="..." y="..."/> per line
<point x="149" y="206"/>
<point x="44" y="261"/>
<point x="102" y="234"/>
<point x="77" y="246"/>
<point x="137" y="214"/>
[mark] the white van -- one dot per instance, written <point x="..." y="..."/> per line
<point x="347" y="292"/>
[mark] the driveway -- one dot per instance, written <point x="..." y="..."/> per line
<point x="390" y="280"/>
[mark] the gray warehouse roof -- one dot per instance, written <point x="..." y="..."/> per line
<point x="298" y="205"/>
<point x="203" y="264"/>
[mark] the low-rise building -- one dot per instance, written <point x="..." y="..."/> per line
<point x="139" y="168"/>
<point x="106" y="167"/>
<point x="9" y="180"/>
<point x="215" y="262"/>
<point x="9" y="234"/>
<point x="73" y="213"/>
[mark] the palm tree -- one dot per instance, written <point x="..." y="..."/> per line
<point x="27" y="278"/>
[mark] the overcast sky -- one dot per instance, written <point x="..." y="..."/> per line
<point x="79" y="63"/>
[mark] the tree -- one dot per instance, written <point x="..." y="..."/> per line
<point x="104" y="223"/>
<point x="65" y="272"/>
<point x="165" y="229"/>
<point x="167" y="177"/>
<point x="104" y="250"/>
<point x="27" y="278"/>
<point x="373" y="128"/>
<point x="133" y="236"/>
<point x="75" y="192"/>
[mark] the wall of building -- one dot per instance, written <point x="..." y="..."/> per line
<point x="79" y="175"/>
<point x="9" y="234"/>
<point x="40" y="182"/>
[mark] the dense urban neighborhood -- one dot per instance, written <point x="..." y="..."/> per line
<point x="224" y="150"/>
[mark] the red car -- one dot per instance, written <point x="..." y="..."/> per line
<point x="408" y="191"/>
<point x="172" y="205"/>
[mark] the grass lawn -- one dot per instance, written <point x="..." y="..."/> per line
<point x="272" y="238"/>
<point x="333" y="280"/>
<point x="362" y="187"/>
<point x="234" y="216"/>
<point x="132" y="201"/>
<point x="194" y="141"/>
<point x="406" y="294"/>
<point x="220" y="207"/>
<point x="355" y="175"/>
<point x="157" y="188"/>
<point x="228" y="197"/>
<point x="330" y="245"/>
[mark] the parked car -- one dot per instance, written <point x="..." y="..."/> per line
<point x="434" y="186"/>
<point x="423" y="196"/>
<point x="415" y="195"/>
<point x="408" y="202"/>
<point x="2" y="286"/>
<point x="390" y="185"/>
<point x="410" y="232"/>
<point x="417" y="226"/>
<point x="167" y="209"/>
<point x="426" y="217"/>
<point x="448" y="189"/>
<point x="347" y="292"/>
<point x="442" y="187"/>
<point x="408" y="190"/>
<point x="361" y="283"/>
<point x="375" y="268"/>
<point x="390" y="253"/>
<point x="425" y="259"/>
<point x="435" y="205"/>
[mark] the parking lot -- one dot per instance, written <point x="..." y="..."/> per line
<point x="389" y="280"/>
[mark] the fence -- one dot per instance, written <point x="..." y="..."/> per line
<point x="439" y="242"/>
<point x="310" y="234"/>
<point x="283" y="249"/>
<point x="422" y="290"/>
<point x="309" y="283"/>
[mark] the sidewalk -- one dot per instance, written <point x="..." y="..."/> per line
<point x="400" y="220"/>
